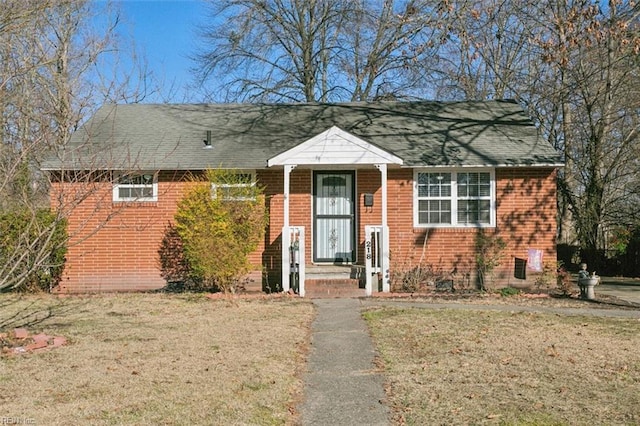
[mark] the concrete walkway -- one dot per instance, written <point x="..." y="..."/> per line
<point x="342" y="385"/>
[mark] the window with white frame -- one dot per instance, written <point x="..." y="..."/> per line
<point x="141" y="186"/>
<point x="454" y="198"/>
<point x="235" y="187"/>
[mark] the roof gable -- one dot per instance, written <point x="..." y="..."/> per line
<point x="334" y="146"/>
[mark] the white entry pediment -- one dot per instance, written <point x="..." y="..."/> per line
<point x="334" y="146"/>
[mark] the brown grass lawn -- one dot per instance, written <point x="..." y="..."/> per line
<point x="155" y="359"/>
<point x="186" y="359"/>
<point x="450" y="367"/>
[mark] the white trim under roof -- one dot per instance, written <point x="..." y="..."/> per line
<point x="334" y="146"/>
<point x="489" y="166"/>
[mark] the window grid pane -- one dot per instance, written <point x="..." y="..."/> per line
<point x="435" y="211"/>
<point x="434" y="185"/>
<point x="434" y="191"/>
<point x="474" y="211"/>
<point x="135" y="187"/>
<point x="474" y="185"/>
<point x="456" y="198"/>
<point x="124" y="192"/>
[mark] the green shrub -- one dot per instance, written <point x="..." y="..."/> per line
<point x="509" y="291"/>
<point x="219" y="222"/>
<point x="32" y="250"/>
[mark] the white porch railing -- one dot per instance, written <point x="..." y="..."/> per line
<point x="293" y="261"/>
<point x="376" y="258"/>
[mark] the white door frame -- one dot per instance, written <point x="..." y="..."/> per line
<point x="351" y="216"/>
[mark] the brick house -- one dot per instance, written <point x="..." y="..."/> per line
<point x="387" y="185"/>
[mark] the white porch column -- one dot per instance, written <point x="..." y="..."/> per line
<point x="285" y="229"/>
<point x="386" y="287"/>
<point x="302" y="261"/>
<point x="287" y="174"/>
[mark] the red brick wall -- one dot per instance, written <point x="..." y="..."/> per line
<point x="526" y="218"/>
<point x="121" y="253"/>
<point x="273" y="184"/>
<point x="527" y="215"/>
<point x="114" y="246"/>
<point x="299" y="215"/>
<point x="368" y="182"/>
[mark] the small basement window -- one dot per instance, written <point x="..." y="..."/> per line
<point x="136" y="187"/>
<point x="236" y="187"/>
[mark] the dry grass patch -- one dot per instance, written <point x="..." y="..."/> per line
<point x="156" y="359"/>
<point x="478" y="367"/>
<point x="539" y="300"/>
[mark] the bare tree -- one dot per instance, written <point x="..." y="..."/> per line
<point x="50" y="73"/>
<point x="487" y="54"/>
<point x="317" y="50"/>
<point x="574" y="64"/>
<point x="587" y="103"/>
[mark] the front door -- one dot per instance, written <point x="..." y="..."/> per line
<point x="333" y="216"/>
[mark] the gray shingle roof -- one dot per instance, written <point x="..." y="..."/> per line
<point x="423" y="133"/>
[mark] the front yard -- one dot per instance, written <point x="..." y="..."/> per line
<point x="155" y="359"/>
<point x="186" y="359"/>
<point x="448" y="366"/>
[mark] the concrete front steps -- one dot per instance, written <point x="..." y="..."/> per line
<point x="333" y="281"/>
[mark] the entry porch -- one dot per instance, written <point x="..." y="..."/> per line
<point x="346" y="210"/>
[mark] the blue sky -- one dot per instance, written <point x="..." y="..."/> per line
<point x="164" y="31"/>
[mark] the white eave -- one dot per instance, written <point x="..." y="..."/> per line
<point x="334" y="146"/>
